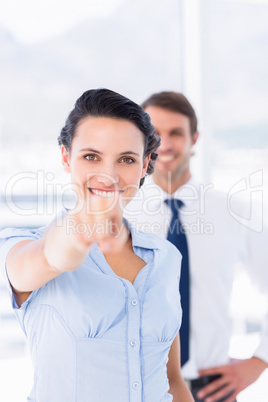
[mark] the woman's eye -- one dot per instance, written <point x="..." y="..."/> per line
<point x="91" y="157"/>
<point x="127" y="160"/>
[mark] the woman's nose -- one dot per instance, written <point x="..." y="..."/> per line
<point x="108" y="178"/>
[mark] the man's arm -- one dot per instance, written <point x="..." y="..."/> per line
<point x="235" y="377"/>
<point x="239" y="374"/>
<point x="178" y="388"/>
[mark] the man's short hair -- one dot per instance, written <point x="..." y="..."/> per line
<point x="175" y="102"/>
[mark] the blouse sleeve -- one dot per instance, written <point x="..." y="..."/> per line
<point x="9" y="238"/>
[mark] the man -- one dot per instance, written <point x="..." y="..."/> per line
<point x="215" y="241"/>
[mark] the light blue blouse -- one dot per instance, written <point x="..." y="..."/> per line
<point x="95" y="337"/>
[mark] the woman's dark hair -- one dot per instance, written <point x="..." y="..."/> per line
<point x="106" y="103"/>
<point x="175" y="102"/>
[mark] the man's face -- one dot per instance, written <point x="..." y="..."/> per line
<point x="176" y="141"/>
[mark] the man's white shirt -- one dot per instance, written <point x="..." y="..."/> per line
<point x="218" y="237"/>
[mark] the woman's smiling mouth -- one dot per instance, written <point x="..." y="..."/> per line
<point x="104" y="193"/>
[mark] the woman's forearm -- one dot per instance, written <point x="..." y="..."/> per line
<point x="180" y="392"/>
<point x="33" y="263"/>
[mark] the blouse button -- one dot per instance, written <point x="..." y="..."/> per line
<point x="133" y="343"/>
<point x="134" y="302"/>
<point x="135" y="385"/>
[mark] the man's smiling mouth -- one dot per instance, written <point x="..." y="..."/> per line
<point x="166" y="158"/>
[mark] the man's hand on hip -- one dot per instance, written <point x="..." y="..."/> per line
<point x="235" y="377"/>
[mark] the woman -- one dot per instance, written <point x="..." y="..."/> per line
<point x="99" y="301"/>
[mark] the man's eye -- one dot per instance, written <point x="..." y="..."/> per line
<point x="177" y="133"/>
<point x="91" y="157"/>
<point x="127" y="160"/>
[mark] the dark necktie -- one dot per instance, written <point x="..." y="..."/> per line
<point x="176" y="235"/>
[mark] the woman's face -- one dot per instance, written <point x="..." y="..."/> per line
<point x="106" y="158"/>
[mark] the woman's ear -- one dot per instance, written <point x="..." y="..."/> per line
<point x="145" y="165"/>
<point x="65" y="159"/>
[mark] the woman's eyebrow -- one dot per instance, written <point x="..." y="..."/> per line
<point x="129" y="153"/>
<point x="90" y="150"/>
<point x="100" y="153"/>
